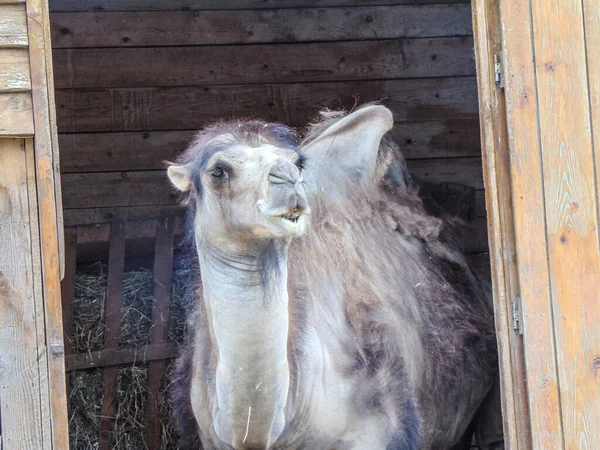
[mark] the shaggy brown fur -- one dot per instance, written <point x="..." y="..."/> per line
<point x="397" y="298"/>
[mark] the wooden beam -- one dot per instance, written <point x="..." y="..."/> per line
<point x="112" y="322"/>
<point x="148" y="150"/>
<point x="188" y="108"/>
<point x="497" y="179"/>
<point x="50" y="215"/>
<point x="93" y="216"/>
<point x="171" y="28"/>
<point x="151" y="187"/>
<point x="119" y="356"/>
<point x="251" y="64"/>
<point x="163" y="270"/>
<point x="159" y="5"/>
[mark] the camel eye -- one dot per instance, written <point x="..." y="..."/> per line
<point x="218" y="172"/>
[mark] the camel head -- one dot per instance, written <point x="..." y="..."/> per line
<point x="247" y="180"/>
<point x="244" y="181"/>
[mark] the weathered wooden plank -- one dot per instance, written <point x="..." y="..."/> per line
<point x="49" y="218"/>
<point x="112" y="321"/>
<point x="138" y="229"/>
<point x="38" y="291"/>
<point x="16" y="114"/>
<point x="166" y="28"/>
<point x="99" y="152"/>
<point x="14" y="70"/>
<point x="571" y="205"/>
<point x="496" y="168"/>
<point x="163" y="270"/>
<point x="151" y="187"/>
<point x="13" y="25"/>
<point x="116" y="356"/>
<point x="159" y="5"/>
<point x="529" y="216"/>
<point x="249" y="64"/>
<point x="103" y="152"/>
<point x="189" y="108"/>
<point x="106" y="189"/>
<point x="591" y="15"/>
<point x="20" y="383"/>
<point x="89" y="216"/>
<point x="465" y="171"/>
<point x="438" y="139"/>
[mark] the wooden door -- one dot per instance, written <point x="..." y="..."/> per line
<point x="539" y="87"/>
<point x="32" y="388"/>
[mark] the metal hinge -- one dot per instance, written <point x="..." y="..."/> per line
<point x="516" y="315"/>
<point x="498" y="71"/>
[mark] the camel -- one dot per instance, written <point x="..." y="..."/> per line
<point x="333" y="312"/>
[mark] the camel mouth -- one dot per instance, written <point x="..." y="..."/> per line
<point x="293" y="217"/>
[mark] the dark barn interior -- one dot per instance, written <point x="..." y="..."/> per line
<point x="135" y="79"/>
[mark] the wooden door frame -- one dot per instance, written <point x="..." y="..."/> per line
<point x="501" y="233"/>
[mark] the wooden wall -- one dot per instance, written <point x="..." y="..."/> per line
<point x="134" y="80"/>
<point x="33" y="412"/>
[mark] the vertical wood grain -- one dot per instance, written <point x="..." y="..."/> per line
<point x="112" y="322"/>
<point x="49" y="224"/>
<point x="529" y="223"/>
<point x="20" y="385"/>
<point x="163" y="270"/>
<point x="571" y="212"/>
<point x="38" y="290"/>
<point x="496" y="168"/>
<point x="591" y="11"/>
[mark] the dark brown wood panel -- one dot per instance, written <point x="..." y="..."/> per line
<point x="438" y="139"/>
<point x="105" y="189"/>
<point x="294" y="104"/>
<point x="151" y="187"/>
<point x="112" y="321"/>
<point x="104" y="152"/>
<point x="250" y="64"/>
<point x="163" y="270"/>
<point x="116" y="356"/>
<point x="87" y="216"/>
<point x="161" y="5"/>
<point x="91" y="215"/>
<point x="164" y="28"/>
<point x="465" y="171"/>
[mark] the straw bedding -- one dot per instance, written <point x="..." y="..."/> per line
<point x="85" y="393"/>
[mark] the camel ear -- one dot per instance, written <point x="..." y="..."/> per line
<point x="346" y="152"/>
<point x="180" y="177"/>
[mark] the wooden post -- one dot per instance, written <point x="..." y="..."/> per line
<point x="32" y="373"/>
<point x="112" y="323"/>
<point x="163" y="270"/>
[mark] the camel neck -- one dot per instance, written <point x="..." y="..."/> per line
<point x="245" y="292"/>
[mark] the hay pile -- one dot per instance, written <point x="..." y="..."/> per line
<point x="85" y="396"/>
